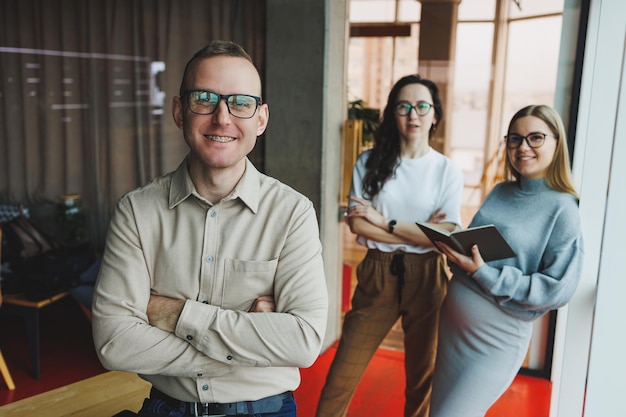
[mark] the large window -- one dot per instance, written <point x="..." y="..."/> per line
<point x="505" y="57"/>
<point x="384" y="45"/>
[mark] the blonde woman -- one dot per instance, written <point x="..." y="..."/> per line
<point x="487" y="315"/>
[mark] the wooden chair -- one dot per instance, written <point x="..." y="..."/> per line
<point x="5" y="373"/>
<point x="4" y="370"/>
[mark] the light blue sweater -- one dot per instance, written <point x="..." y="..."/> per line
<point x="543" y="228"/>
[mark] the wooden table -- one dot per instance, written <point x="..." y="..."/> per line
<point x="29" y="310"/>
<point x="103" y="395"/>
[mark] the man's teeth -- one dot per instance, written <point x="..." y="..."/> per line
<point x="220" y="138"/>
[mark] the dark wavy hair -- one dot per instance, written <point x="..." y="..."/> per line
<point x="385" y="153"/>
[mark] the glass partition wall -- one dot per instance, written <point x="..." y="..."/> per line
<point x="503" y="56"/>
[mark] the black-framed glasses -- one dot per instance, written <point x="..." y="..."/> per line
<point x="421" y="108"/>
<point x="534" y="140"/>
<point x="242" y="106"/>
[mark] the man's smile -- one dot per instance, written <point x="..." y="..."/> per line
<point x="222" y="139"/>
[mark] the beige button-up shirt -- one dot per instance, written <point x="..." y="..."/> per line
<point x="262" y="239"/>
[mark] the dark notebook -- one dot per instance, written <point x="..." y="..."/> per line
<point x="490" y="242"/>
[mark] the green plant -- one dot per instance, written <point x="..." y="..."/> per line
<point x="369" y="116"/>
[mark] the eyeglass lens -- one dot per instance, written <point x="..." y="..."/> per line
<point x="534" y="140"/>
<point x="242" y="106"/>
<point x="421" y="108"/>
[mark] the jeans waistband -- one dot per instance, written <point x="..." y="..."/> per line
<point x="264" y="405"/>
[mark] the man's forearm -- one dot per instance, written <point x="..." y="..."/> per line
<point x="163" y="312"/>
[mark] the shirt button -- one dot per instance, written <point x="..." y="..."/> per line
<point x="205" y="387"/>
<point x="209" y="259"/>
<point x="213" y="214"/>
<point x="189" y="337"/>
<point x="229" y="357"/>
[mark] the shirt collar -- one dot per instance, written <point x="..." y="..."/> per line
<point x="247" y="189"/>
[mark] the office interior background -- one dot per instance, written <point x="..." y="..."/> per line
<point x="86" y="86"/>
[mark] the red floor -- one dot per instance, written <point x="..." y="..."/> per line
<point x="67" y="352"/>
<point x="384" y="382"/>
<point x="68" y="356"/>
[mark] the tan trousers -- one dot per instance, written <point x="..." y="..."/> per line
<point x="383" y="294"/>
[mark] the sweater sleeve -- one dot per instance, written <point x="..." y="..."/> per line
<point x="548" y="285"/>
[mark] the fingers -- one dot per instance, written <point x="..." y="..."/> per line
<point x="264" y="307"/>
<point x="263" y="304"/>
<point x="437" y="216"/>
<point x="358" y="211"/>
<point x="449" y="252"/>
<point x="469" y="264"/>
<point x="477" y="259"/>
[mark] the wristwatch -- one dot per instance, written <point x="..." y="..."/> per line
<point x="391" y="226"/>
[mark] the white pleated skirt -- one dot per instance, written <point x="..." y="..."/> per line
<point x="481" y="348"/>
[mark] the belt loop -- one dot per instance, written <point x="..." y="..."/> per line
<point x="204" y="409"/>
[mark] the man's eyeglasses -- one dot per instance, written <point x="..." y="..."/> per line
<point x="534" y="140"/>
<point x="421" y="108"/>
<point x="242" y="106"/>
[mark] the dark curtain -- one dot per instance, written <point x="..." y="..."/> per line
<point x="86" y="89"/>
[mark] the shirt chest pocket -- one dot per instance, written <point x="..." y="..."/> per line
<point x="245" y="281"/>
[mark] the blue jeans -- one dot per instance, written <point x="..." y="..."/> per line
<point x="154" y="407"/>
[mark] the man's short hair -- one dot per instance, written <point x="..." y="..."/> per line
<point x="215" y="48"/>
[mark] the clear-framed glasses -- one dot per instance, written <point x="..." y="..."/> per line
<point x="534" y="140"/>
<point x="242" y="106"/>
<point x="422" y="108"/>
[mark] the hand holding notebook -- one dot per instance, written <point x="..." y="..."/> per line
<point x="490" y="242"/>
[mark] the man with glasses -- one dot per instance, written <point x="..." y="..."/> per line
<point x="212" y="285"/>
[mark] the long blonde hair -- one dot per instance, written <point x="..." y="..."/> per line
<point x="559" y="175"/>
